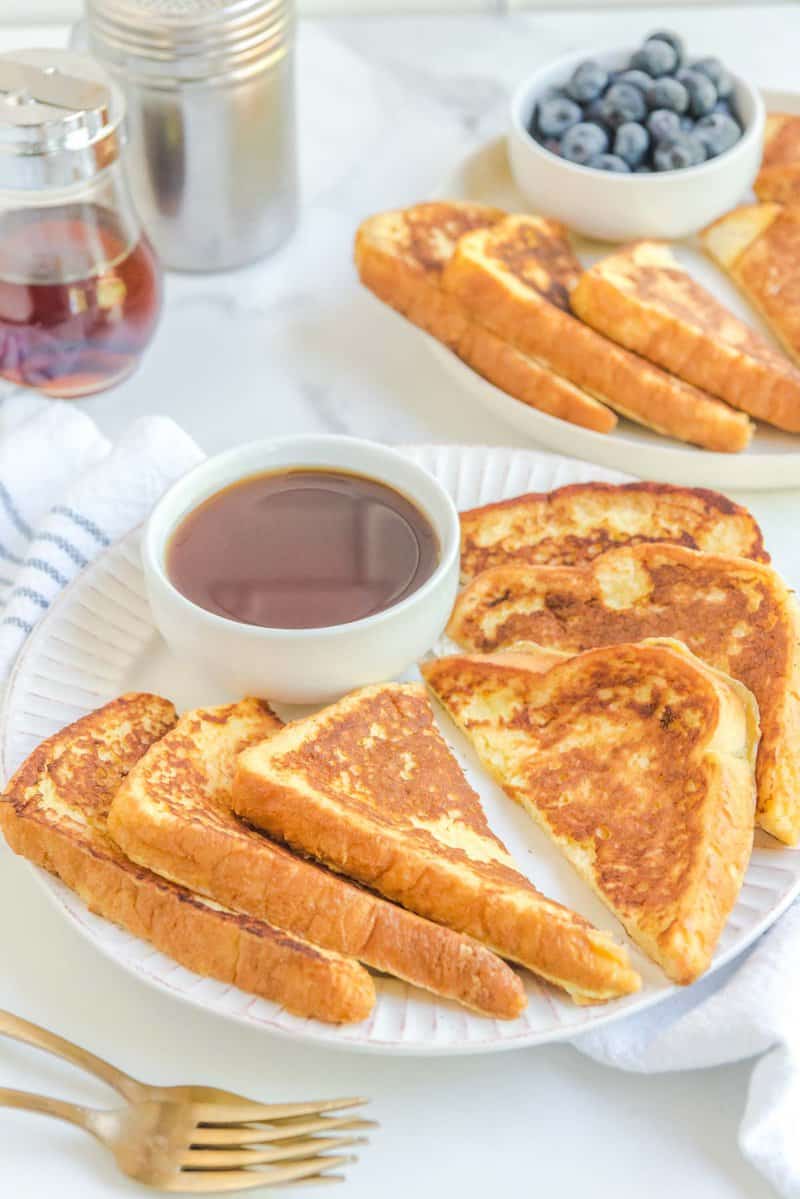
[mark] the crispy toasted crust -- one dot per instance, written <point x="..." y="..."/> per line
<point x="369" y="787"/>
<point x="53" y="812"/>
<point x="572" y="525"/>
<point x="738" y="616"/>
<point x="779" y="177"/>
<point x="638" y="762"/>
<point x="515" y="278"/>
<point x="173" y="815"/>
<point x="759" y="246"/>
<point x="400" y="257"/>
<point x="642" y="298"/>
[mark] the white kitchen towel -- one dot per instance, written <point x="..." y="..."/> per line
<point x="65" y="494"/>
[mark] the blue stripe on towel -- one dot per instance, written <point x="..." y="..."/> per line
<point x="35" y="597"/>
<point x="47" y="569"/>
<point x="13" y="514"/>
<point x="18" y="624"/>
<point x="7" y="556"/>
<point x="66" y="547"/>
<point x="83" y="522"/>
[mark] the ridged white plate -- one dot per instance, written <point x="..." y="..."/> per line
<point x="98" y="640"/>
<point x="771" y="461"/>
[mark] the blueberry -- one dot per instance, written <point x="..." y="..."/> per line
<point x="687" y="124"/>
<point x="663" y="124"/>
<point x="554" y="117"/>
<point x="684" y="150"/>
<point x="723" y="106"/>
<point x="655" y="58"/>
<point x="552" y="144"/>
<point x="718" y="132"/>
<point x="667" y="93"/>
<point x="609" y="162"/>
<point x="583" y="141"/>
<point x="622" y="102"/>
<point x="637" y="78"/>
<point x="702" y="93"/>
<point x="643" y="169"/>
<point x="631" y="143"/>
<point x="672" y="39"/>
<point x="718" y="75"/>
<point x="588" y="81"/>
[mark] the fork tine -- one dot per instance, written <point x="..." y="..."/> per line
<point x="203" y="1181"/>
<point x="243" y="1135"/>
<point x="226" y="1159"/>
<point x="249" y="1113"/>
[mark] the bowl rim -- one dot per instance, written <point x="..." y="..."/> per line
<point x="155" y="540"/>
<point x="754" y="130"/>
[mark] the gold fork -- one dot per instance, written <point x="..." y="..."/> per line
<point x="191" y="1138"/>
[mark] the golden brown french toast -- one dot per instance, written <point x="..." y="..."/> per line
<point x="779" y="177"/>
<point x="369" y="787"/>
<point x="173" y="815"/>
<point x="641" y="297"/>
<point x="400" y="257"/>
<point x="54" y="812"/>
<point x="573" y="524"/>
<point x="738" y="616"/>
<point x="515" y="278"/>
<point x="638" y="761"/>
<point x="759" y="247"/>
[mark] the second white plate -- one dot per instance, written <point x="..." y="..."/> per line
<point x="771" y="461"/>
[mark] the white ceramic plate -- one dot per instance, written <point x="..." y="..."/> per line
<point x="98" y="640"/>
<point x="771" y="461"/>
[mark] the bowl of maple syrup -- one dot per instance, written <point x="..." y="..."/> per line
<point x="301" y="568"/>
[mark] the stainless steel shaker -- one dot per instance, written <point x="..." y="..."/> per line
<point x="211" y="122"/>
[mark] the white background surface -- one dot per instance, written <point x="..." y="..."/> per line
<point x="296" y="346"/>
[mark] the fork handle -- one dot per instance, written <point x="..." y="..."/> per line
<point x="30" y="1034"/>
<point x="58" y="1108"/>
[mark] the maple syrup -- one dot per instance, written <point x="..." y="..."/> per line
<point x="79" y="298"/>
<point x="302" y="549"/>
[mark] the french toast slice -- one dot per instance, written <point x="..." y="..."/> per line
<point x="54" y="812"/>
<point x="638" y="761"/>
<point x="369" y="787"/>
<point x="779" y="177"/>
<point x="515" y="278"/>
<point x="641" y="297"/>
<point x="759" y="247"/>
<point x="173" y="814"/>
<point x="572" y="525"/>
<point x="400" y="257"/>
<point x="738" y="616"/>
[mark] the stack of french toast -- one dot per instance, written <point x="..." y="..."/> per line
<point x="628" y="670"/>
<point x="634" y="336"/>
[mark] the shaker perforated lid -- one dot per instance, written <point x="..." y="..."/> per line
<point x="189" y="40"/>
<point x="60" y="118"/>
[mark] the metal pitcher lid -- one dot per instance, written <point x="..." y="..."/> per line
<point x="188" y="40"/>
<point x="60" y="119"/>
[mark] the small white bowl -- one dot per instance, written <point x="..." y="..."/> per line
<point x="617" y="207"/>
<point x="303" y="666"/>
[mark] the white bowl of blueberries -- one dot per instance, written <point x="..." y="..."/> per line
<point x="628" y="144"/>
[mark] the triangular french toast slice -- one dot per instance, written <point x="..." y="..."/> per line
<point x="737" y="615"/>
<point x="54" y="812"/>
<point x="369" y="787"/>
<point x="572" y="525"/>
<point x="778" y="180"/>
<point x="641" y="297"/>
<point x="638" y="762"/>
<point x="759" y="247"/>
<point x="173" y="815"/>
<point x="400" y="257"/>
<point x="515" y="278"/>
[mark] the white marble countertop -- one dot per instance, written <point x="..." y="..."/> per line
<point x="295" y="345"/>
